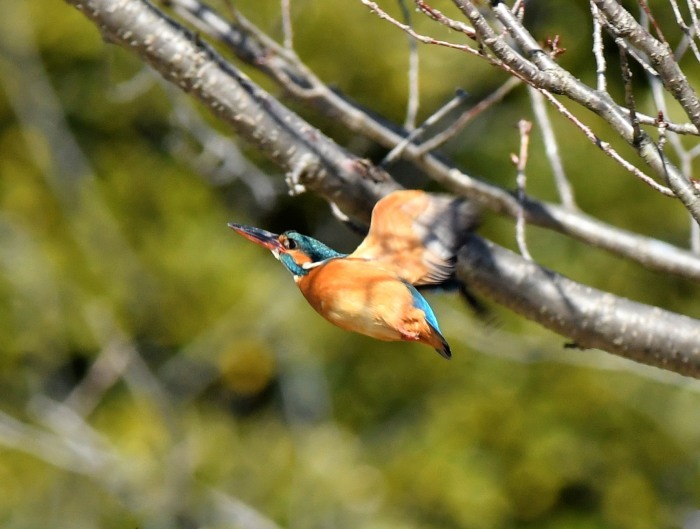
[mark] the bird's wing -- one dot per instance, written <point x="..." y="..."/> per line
<point x="417" y="235"/>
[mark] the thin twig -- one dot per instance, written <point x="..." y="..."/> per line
<point x="688" y="34"/>
<point x="551" y="147"/>
<point x="598" y="50"/>
<point x="287" y="30"/>
<point x="694" y="237"/>
<point x="542" y="72"/>
<point x="413" y="71"/>
<point x="105" y="371"/>
<point x="679" y="128"/>
<point x="652" y="19"/>
<point x="662" y="135"/>
<point x="494" y="97"/>
<point x="440" y="113"/>
<point x="623" y="24"/>
<point x="451" y="23"/>
<point x="638" y="57"/>
<point x="606" y="148"/>
<point x="695" y="31"/>
<point x="629" y="94"/>
<point x="419" y="37"/>
<point x="694" y="152"/>
<point x="520" y="161"/>
<point x="518" y="9"/>
<point x="684" y="155"/>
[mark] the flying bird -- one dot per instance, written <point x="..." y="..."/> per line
<point x="412" y="244"/>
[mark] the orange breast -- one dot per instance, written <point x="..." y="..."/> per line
<point x="362" y="297"/>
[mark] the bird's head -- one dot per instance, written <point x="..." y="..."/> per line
<point x="297" y="252"/>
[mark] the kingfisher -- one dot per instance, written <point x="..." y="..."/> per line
<point x="411" y="244"/>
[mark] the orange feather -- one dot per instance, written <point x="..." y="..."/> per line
<point x="416" y="235"/>
<point x="359" y="296"/>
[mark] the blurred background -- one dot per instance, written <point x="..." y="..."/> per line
<point x="157" y="371"/>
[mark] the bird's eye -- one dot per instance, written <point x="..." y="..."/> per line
<point x="289" y="244"/>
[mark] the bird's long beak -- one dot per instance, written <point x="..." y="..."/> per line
<point x="264" y="238"/>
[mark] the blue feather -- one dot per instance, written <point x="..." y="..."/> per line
<point x="421" y="303"/>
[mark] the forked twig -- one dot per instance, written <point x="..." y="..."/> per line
<point x="494" y="97"/>
<point x="440" y="113"/>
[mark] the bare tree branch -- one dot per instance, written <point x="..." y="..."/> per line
<point x="520" y="161"/>
<point x="590" y="317"/>
<point x="317" y="163"/>
<point x="564" y="188"/>
<point x="281" y="135"/>
<point x="662" y="58"/>
<point x="494" y="97"/>
<point x="416" y="133"/>
<point x="659" y="54"/>
<point x="538" y="69"/>
<point x="254" y="47"/>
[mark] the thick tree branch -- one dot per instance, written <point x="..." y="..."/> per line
<point x="590" y="317"/>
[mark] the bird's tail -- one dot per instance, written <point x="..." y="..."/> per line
<point x="441" y="346"/>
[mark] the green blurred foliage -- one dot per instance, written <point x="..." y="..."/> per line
<point x="114" y="252"/>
